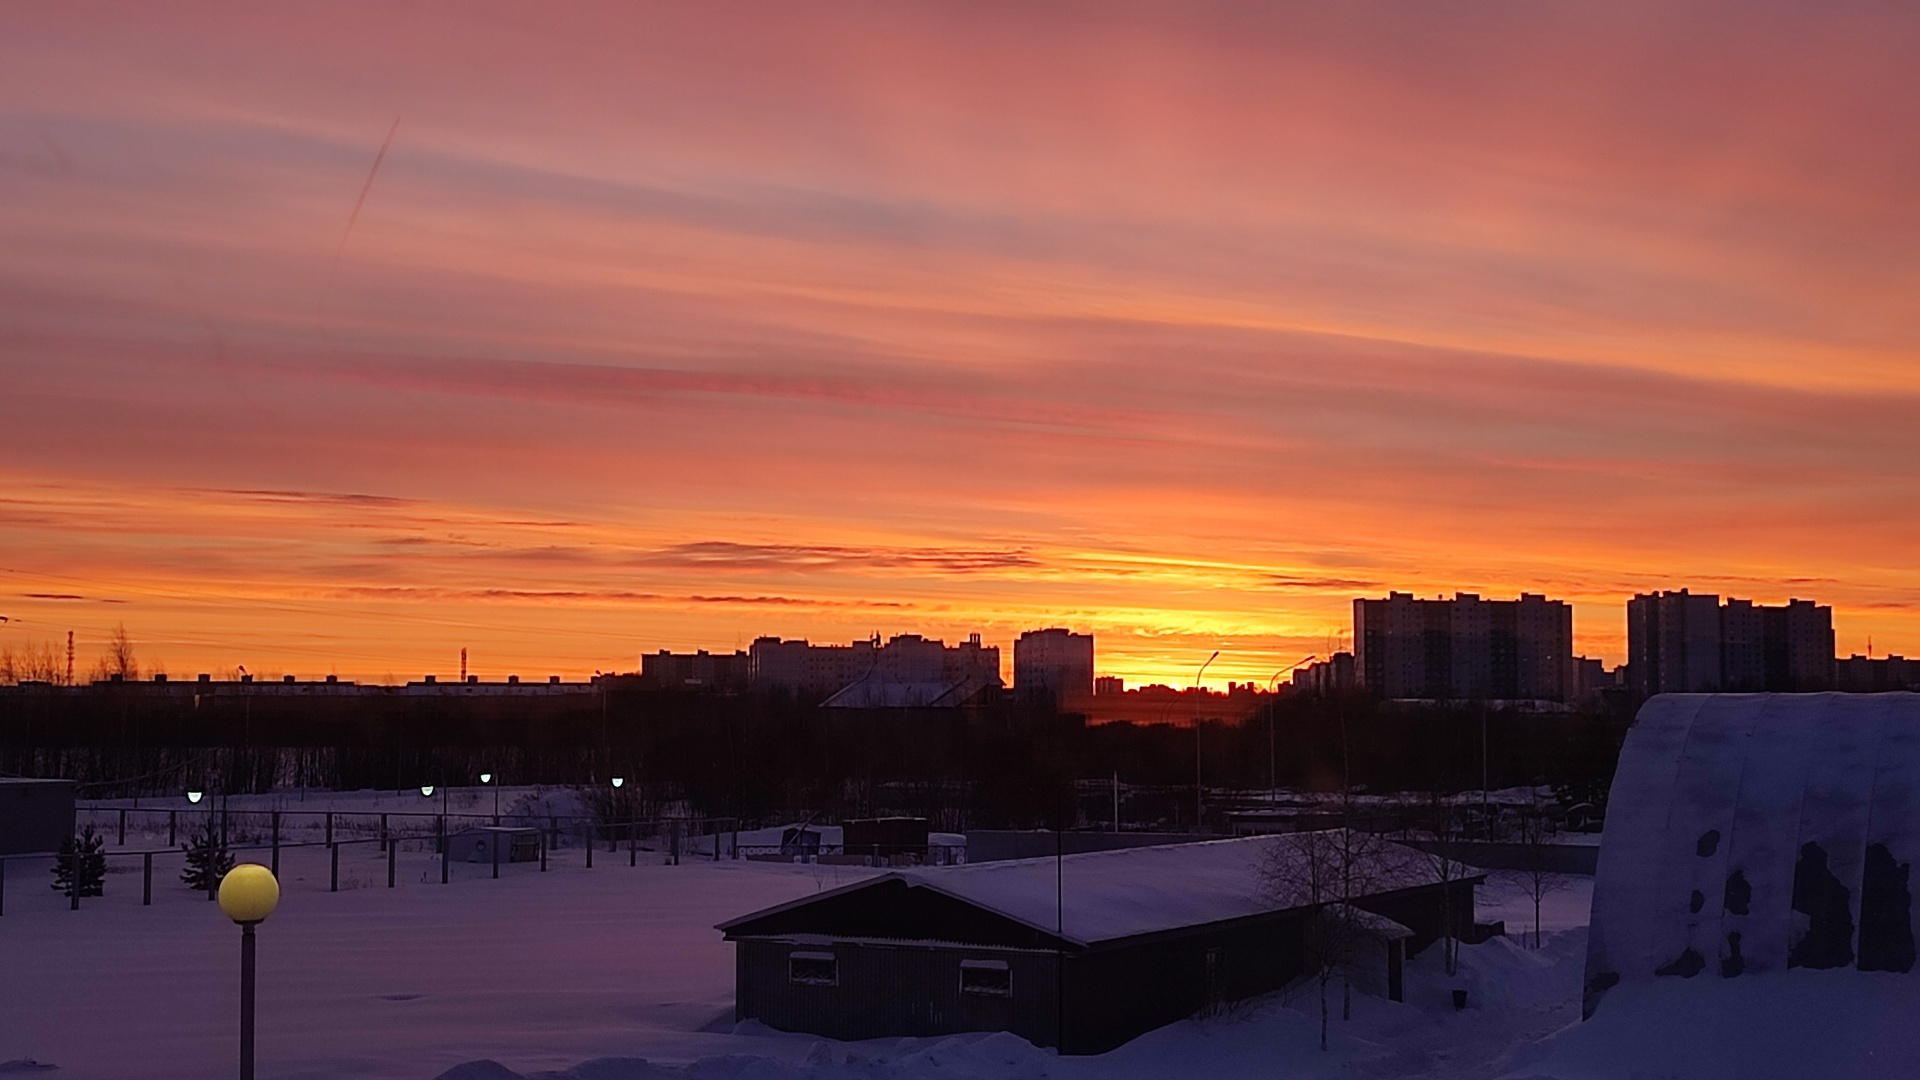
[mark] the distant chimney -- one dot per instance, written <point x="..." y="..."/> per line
<point x="553" y="679"/>
<point x="204" y="677"/>
<point x="513" y="680"/>
<point x="473" y="678"/>
<point x="333" y="678"/>
<point x="246" y="678"/>
<point x="430" y="679"/>
<point x="159" y="678"/>
<point x="286" y="678"/>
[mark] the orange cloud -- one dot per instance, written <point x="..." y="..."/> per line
<point x="670" y="327"/>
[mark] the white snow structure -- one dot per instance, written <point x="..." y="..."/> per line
<point x="1749" y="833"/>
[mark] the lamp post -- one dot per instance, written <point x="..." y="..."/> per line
<point x="1199" y="807"/>
<point x="487" y="779"/>
<point x="1273" y="775"/>
<point x="248" y="894"/>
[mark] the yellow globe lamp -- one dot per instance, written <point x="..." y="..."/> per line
<point x="249" y="893"/>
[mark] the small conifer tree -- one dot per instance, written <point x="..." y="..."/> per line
<point x="81" y="864"/>
<point x="208" y="859"/>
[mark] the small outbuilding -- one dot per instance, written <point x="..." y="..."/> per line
<point x="35" y="815"/>
<point x="515" y="844"/>
<point x="1086" y="951"/>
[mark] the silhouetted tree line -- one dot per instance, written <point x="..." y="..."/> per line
<point x="1001" y="763"/>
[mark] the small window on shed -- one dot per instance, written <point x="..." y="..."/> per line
<point x="813" y="969"/>
<point x="988" y="977"/>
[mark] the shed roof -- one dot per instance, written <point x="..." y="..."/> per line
<point x="1103" y="896"/>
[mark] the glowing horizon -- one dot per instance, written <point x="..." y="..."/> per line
<point x="670" y="328"/>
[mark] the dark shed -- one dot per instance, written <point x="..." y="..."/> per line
<point x="1084" y="952"/>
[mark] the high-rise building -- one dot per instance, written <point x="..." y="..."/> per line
<point x="1682" y="642"/>
<point x="1053" y="661"/>
<point x="1673" y="643"/>
<point x="1108" y="684"/>
<point x="1465" y="647"/>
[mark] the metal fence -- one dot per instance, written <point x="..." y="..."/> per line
<point x="422" y="842"/>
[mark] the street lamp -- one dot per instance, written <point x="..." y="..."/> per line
<point x="487" y="778"/>
<point x="194" y="797"/>
<point x="248" y="894"/>
<point x="1199" y="807"/>
<point x="1273" y="774"/>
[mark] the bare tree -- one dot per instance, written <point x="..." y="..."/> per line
<point x="118" y="657"/>
<point x="1538" y="876"/>
<point x="1326" y="870"/>
<point x="32" y="663"/>
<point x="1436" y="831"/>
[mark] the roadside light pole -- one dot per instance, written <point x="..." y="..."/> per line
<point x="1199" y="805"/>
<point x="1273" y="773"/>
<point x="248" y="894"/>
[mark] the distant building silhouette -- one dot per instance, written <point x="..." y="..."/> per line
<point x="1876" y="674"/>
<point x="1104" y="685"/>
<point x="701" y="670"/>
<point x="1053" y="661"/>
<point x="1336" y="673"/>
<point x="817" y="671"/>
<point x="1689" y="643"/>
<point x="1465" y="647"/>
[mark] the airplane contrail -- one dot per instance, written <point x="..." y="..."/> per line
<point x="365" y="188"/>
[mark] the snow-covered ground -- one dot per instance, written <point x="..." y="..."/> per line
<point x="615" y="973"/>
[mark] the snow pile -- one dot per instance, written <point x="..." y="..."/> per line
<point x="1836" y="1024"/>
<point x="960" y="1057"/>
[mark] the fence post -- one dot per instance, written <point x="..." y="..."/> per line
<point x="173" y="819"/>
<point x="440" y="825"/>
<point x="73" y="879"/>
<point x="3" y="885"/>
<point x="589" y="847"/>
<point x="391" y="848"/>
<point x="633" y="844"/>
<point x="213" y="879"/>
<point x="493" y="846"/>
<point x="543" y="852"/>
<point x="123" y="827"/>
<point x="383" y="832"/>
<point x="276" y="844"/>
<point x="735" y="849"/>
<point x="329" y="826"/>
<point x="333" y="854"/>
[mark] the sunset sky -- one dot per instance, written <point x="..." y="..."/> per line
<point x="665" y="326"/>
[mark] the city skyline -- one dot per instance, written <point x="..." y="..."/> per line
<point x="1183" y="328"/>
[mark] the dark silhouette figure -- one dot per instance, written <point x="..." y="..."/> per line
<point x="1818" y="895"/>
